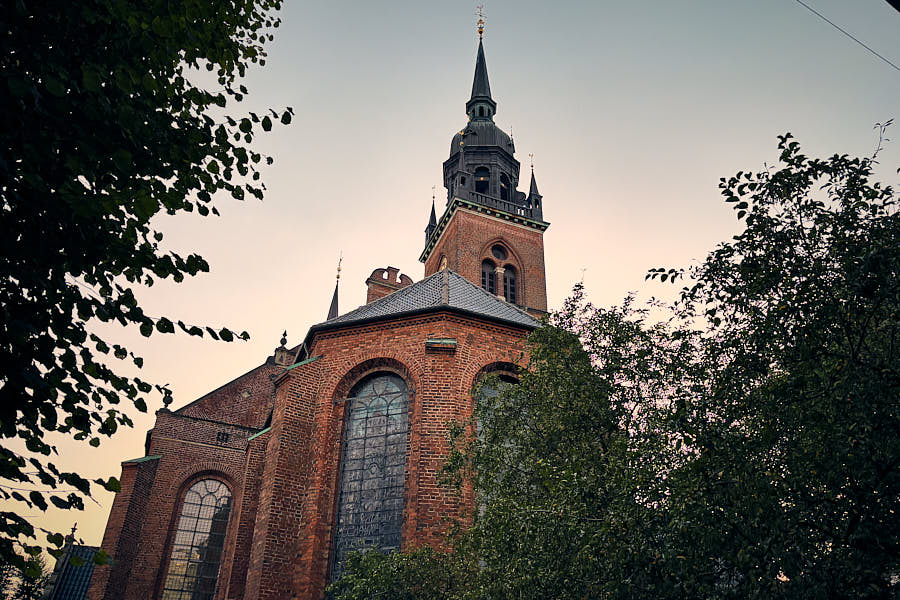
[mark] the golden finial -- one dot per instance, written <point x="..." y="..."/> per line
<point x="433" y="192"/>
<point x="531" y="156"/>
<point x="340" y="260"/>
<point x="479" y="11"/>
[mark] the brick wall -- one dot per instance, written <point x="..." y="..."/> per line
<point x="284" y="482"/>
<point x="466" y="242"/>
<point x="123" y="531"/>
<point x="204" y="439"/>
<point x="385" y="281"/>
<point x="292" y="544"/>
<point x="246" y="400"/>
<point x="241" y="537"/>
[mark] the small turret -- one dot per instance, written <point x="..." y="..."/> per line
<point x="333" y="309"/>
<point x="534" y="198"/>
<point x="432" y="222"/>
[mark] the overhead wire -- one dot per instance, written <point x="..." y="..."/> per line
<point x="845" y="32"/>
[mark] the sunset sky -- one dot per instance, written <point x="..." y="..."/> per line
<point x="633" y="111"/>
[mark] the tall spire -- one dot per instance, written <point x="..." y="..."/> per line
<point x="333" y="309"/>
<point x="481" y="87"/>
<point x="481" y="106"/>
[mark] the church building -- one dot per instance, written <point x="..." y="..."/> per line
<point x="259" y="489"/>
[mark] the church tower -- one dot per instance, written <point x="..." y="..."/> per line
<point x="490" y="233"/>
<point x="261" y="488"/>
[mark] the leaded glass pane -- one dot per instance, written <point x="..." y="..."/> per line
<point x="198" y="541"/>
<point x="373" y="469"/>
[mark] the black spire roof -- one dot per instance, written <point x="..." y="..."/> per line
<point x="432" y="222"/>
<point x="481" y="106"/>
<point x="533" y="190"/>
<point x="333" y="309"/>
<point x="481" y="87"/>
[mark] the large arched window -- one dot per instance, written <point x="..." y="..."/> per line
<point x="488" y="277"/>
<point x="482" y="180"/>
<point x="373" y="467"/>
<point x="197" y="545"/>
<point x="509" y="284"/>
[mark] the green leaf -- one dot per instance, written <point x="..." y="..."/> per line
<point x="55" y="86"/>
<point x="122" y="160"/>
<point x="266" y="123"/>
<point x="164" y="325"/>
<point x="90" y="80"/>
<point x="38" y="500"/>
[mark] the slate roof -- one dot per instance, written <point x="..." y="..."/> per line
<point x="72" y="582"/>
<point x="481" y="87"/>
<point x="444" y="290"/>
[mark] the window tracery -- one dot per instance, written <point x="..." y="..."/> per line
<point x="373" y="468"/>
<point x="197" y="546"/>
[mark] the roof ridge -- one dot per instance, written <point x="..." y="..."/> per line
<point x="393" y="295"/>
<point x="442" y="290"/>
<point x="494" y="297"/>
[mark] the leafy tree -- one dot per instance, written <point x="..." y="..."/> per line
<point x="108" y="118"/>
<point x="33" y="581"/>
<point x="8" y="573"/>
<point x="795" y="442"/>
<point x="745" y="446"/>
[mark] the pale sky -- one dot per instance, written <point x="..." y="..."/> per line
<point x="633" y="111"/>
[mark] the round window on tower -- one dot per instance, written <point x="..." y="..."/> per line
<point x="499" y="252"/>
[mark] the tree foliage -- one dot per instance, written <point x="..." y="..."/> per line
<point x="112" y="112"/>
<point x="747" y="445"/>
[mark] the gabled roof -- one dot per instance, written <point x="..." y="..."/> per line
<point x="444" y="290"/>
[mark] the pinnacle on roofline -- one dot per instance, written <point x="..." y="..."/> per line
<point x="333" y="309"/>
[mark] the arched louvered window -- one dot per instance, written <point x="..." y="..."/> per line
<point x="482" y="180"/>
<point x="488" y="277"/>
<point x="504" y="187"/>
<point x="373" y="468"/>
<point x="509" y="284"/>
<point x="197" y="545"/>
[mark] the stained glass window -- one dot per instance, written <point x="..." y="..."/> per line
<point x="373" y="466"/>
<point x="197" y="546"/>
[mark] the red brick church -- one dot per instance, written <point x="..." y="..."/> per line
<point x="260" y="488"/>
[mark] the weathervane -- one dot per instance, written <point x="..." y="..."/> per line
<point x="479" y="12"/>
<point x="531" y="157"/>
<point x="340" y="260"/>
<point x="433" y="188"/>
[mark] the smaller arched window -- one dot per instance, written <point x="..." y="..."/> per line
<point x="488" y="277"/>
<point x="197" y="545"/>
<point x="509" y="284"/>
<point x="482" y="180"/>
<point x="504" y="187"/>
